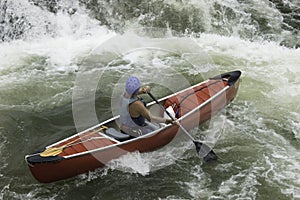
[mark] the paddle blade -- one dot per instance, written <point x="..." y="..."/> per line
<point x="51" y="151"/>
<point x="205" y="152"/>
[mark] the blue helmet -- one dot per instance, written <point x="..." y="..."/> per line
<point x="132" y="85"/>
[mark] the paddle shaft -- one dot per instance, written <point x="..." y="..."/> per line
<point x="182" y="128"/>
<point x="202" y="149"/>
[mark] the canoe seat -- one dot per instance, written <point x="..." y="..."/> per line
<point x="116" y="134"/>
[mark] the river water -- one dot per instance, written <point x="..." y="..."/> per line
<point x="61" y="63"/>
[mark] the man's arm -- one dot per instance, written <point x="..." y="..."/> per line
<point x="142" y="110"/>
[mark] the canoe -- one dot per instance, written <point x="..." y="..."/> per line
<point x="98" y="145"/>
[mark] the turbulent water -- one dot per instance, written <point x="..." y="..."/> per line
<point x="62" y="63"/>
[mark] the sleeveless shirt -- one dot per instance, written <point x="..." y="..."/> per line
<point x="125" y="116"/>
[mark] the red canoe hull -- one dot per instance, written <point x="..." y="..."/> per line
<point x="66" y="165"/>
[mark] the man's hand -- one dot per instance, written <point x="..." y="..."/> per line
<point x="145" y="89"/>
<point x="170" y="121"/>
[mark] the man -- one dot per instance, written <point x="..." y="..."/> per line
<point x="135" y="118"/>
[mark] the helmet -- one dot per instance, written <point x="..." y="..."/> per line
<point x="132" y="85"/>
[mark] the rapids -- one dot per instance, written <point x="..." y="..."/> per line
<point x="57" y="57"/>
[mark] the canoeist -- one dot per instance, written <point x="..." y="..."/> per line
<point x="135" y="118"/>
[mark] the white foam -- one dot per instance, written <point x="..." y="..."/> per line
<point x="132" y="163"/>
<point x="276" y="71"/>
<point x="197" y="184"/>
<point x="295" y="124"/>
<point x="44" y="65"/>
<point x="145" y="163"/>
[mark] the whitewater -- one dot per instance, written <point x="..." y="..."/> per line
<point x="46" y="49"/>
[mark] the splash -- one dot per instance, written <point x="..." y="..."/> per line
<point x="132" y="163"/>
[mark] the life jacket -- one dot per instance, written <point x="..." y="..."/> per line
<point x="134" y="127"/>
<point x="125" y="117"/>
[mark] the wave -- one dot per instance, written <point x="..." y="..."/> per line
<point x="46" y="46"/>
<point x="252" y="20"/>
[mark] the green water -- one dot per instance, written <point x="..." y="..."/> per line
<point x="66" y="72"/>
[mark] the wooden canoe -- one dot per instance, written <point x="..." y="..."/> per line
<point x="96" y="146"/>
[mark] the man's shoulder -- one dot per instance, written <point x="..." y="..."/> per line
<point x="138" y="103"/>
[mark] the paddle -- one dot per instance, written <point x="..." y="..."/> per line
<point x="53" y="151"/>
<point x="202" y="149"/>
